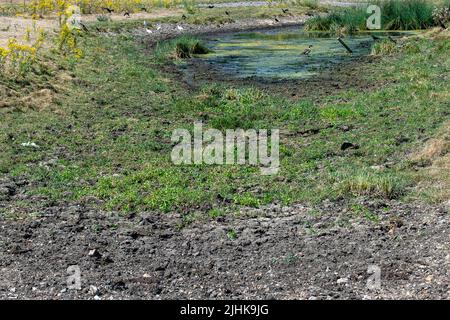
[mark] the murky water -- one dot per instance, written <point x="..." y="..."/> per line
<point x="277" y="54"/>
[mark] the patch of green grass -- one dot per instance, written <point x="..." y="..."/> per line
<point x="362" y="211"/>
<point x="232" y="234"/>
<point x="366" y="183"/>
<point x="10" y="9"/>
<point x="103" y="18"/>
<point x="348" y="20"/>
<point x="395" y="15"/>
<point x="190" y="6"/>
<point x="216" y="213"/>
<point x="110" y="135"/>
<point x="312" y="4"/>
<point x="291" y="259"/>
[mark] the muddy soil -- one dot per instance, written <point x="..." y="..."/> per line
<point x="331" y="80"/>
<point x="16" y="27"/>
<point x="269" y="253"/>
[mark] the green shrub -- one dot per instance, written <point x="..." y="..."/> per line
<point x="103" y="18"/>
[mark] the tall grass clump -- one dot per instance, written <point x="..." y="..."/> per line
<point x="441" y="14"/>
<point x="395" y="15"/>
<point x="180" y="48"/>
<point x="365" y="183"/>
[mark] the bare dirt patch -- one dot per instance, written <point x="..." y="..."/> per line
<point x="39" y="100"/>
<point x="272" y="253"/>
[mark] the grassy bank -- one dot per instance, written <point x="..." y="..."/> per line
<point x="395" y="15"/>
<point x="108" y="135"/>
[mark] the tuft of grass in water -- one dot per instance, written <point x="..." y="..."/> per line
<point x="180" y="48"/>
<point x="395" y="15"/>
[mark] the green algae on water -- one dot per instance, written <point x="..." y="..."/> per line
<point x="277" y="54"/>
